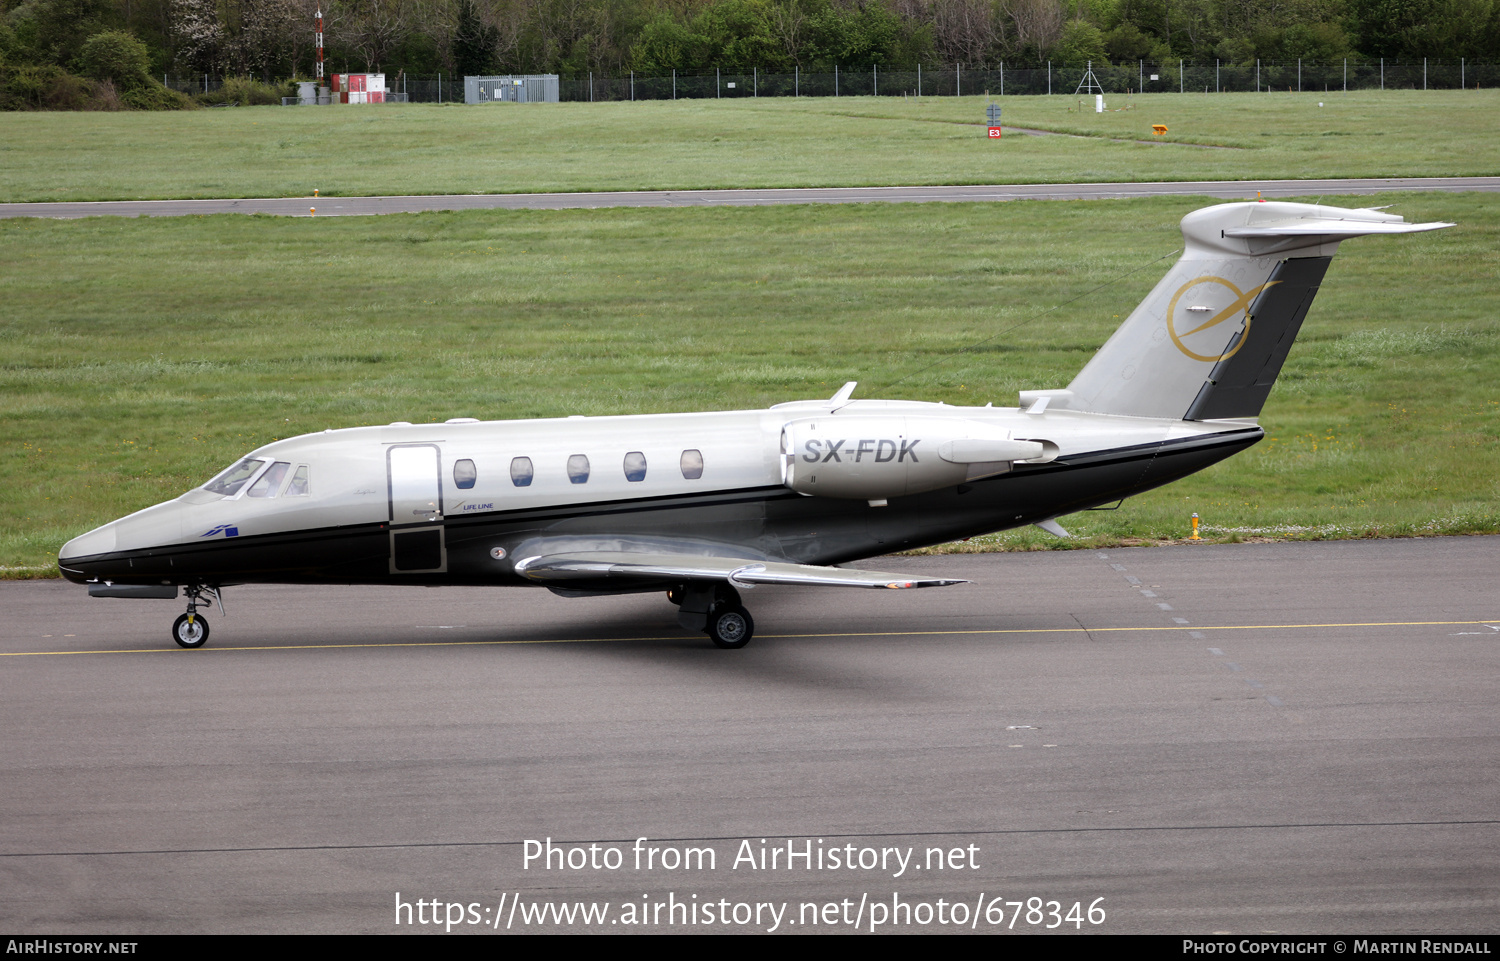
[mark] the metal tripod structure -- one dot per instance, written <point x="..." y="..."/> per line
<point x="1089" y="83"/>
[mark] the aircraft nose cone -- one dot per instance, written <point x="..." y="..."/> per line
<point x="100" y="540"/>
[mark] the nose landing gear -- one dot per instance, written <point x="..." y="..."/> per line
<point x="191" y="629"/>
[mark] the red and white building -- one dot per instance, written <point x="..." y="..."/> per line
<point x="358" y="87"/>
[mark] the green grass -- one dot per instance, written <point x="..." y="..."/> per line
<point x="430" y="149"/>
<point x="141" y="356"/>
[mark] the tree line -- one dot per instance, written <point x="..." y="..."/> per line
<point x="122" y="42"/>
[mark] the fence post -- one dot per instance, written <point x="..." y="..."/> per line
<point x="1257" y="75"/>
<point x="875" y="81"/>
<point x="717" y="94"/>
<point x="754" y="82"/>
<point x="1049" y="76"/>
<point x="1216" y="75"/>
<point x="958" y="80"/>
<point x="440" y="88"/>
<point x="1002" y="78"/>
<point x="1299" y="74"/>
<point x="1424" y="73"/>
<point x="919" y="80"/>
<point x="1140" y="76"/>
<point x="632" y="86"/>
<point x="835" y="80"/>
<point x="1382" y="75"/>
<point x="1182" y="82"/>
<point x="1463" y="83"/>
<point x="797" y="81"/>
<point x="1346" y="75"/>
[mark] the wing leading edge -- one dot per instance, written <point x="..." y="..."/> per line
<point x="737" y="571"/>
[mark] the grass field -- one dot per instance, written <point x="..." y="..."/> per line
<point x="428" y="149"/>
<point x="141" y="356"/>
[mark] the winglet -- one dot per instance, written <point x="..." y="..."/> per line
<point x="845" y="392"/>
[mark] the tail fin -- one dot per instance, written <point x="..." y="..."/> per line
<point x="1210" y="339"/>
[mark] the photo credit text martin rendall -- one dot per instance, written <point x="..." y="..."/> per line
<point x="1336" y="946"/>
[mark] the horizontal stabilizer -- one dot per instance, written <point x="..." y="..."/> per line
<point x="593" y="565"/>
<point x="1330" y="228"/>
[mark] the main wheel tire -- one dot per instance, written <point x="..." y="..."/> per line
<point x="190" y="635"/>
<point x="730" y="627"/>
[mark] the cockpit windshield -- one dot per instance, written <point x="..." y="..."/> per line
<point x="230" y="482"/>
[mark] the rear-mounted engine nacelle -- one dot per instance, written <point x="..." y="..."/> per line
<point x="876" y="458"/>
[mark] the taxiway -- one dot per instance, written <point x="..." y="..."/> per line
<point x="1293" y="737"/>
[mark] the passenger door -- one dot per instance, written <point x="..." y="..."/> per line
<point x="416" y="498"/>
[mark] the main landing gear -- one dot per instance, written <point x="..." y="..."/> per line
<point x="714" y="609"/>
<point x="191" y="629"/>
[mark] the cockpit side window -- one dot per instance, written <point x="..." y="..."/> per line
<point x="301" y="484"/>
<point x="230" y="481"/>
<point x="270" y="482"/>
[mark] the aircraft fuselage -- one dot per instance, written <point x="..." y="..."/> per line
<point x="459" y="502"/>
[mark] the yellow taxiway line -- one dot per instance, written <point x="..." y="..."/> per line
<point x="679" y="637"/>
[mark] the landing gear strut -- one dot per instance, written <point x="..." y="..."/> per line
<point x="714" y="609"/>
<point x="191" y="629"/>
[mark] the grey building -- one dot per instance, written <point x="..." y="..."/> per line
<point x="531" y="88"/>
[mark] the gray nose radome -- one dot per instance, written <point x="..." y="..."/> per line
<point x="100" y="540"/>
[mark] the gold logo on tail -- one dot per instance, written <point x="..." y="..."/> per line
<point x="1241" y="304"/>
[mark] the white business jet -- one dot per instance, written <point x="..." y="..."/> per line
<point x="702" y="505"/>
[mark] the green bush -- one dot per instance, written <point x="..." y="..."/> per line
<point x="116" y="56"/>
<point x="153" y="96"/>
<point x="247" y="92"/>
<point x="29" y="87"/>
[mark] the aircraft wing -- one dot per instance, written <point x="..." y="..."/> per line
<point x="593" y="565"/>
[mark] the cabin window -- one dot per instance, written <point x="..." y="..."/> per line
<point x="270" y="481"/>
<point x="692" y="464"/>
<point x="464" y="475"/>
<point x="301" y="483"/>
<point x="635" y="466"/>
<point x="578" y="469"/>
<point x="520" y="471"/>
<point x="230" y="481"/>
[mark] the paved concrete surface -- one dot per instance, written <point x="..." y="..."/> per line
<point x="1243" y="738"/>
<point x="361" y="206"/>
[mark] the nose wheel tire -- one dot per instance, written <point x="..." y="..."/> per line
<point x="730" y="627"/>
<point x="190" y="630"/>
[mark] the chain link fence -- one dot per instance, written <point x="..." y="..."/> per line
<point x="1171" y="76"/>
<point x="1174" y="76"/>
